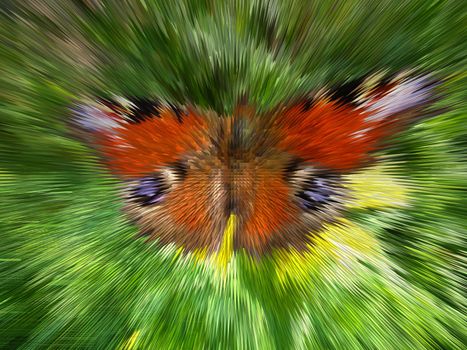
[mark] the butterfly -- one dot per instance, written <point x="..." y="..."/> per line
<point x="281" y="174"/>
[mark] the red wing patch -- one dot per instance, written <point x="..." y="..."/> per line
<point x="133" y="150"/>
<point x="342" y="136"/>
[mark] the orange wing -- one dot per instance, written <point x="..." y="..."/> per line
<point x="341" y="136"/>
<point x="135" y="148"/>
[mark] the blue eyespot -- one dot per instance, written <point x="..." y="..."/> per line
<point x="317" y="192"/>
<point x="150" y="190"/>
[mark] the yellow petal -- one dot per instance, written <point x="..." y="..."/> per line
<point x="337" y="250"/>
<point x="377" y="187"/>
<point x="130" y="343"/>
<point x="226" y="250"/>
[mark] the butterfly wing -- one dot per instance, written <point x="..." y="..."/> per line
<point x="341" y="135"/>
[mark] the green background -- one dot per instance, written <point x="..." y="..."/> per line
<point x="72" y="275"/>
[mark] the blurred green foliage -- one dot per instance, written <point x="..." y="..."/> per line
<point x="71" y="273"/>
